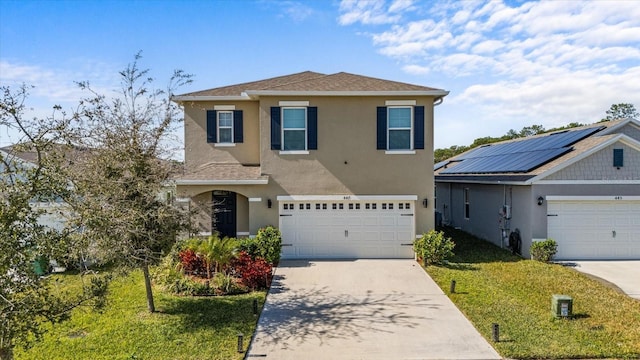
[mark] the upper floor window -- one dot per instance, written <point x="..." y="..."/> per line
<point x="399" y="127"/>
<point x="294" y="129"/>
<point x="224" y="126"/>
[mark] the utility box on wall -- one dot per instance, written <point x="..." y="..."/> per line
<point x="562" y="306"/>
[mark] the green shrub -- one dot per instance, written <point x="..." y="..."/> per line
<point x="267" y="245"/>
<point x="433" y="247"/>
<point x="543" y="250"/>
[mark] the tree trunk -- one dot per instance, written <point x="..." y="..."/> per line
<point x="147" y="284"/>
<point x="6" y="353"/>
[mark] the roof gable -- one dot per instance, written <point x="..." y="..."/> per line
<point x="590" y="148"/>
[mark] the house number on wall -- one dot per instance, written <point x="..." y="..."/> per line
<point x="617" y="197"/>
<point x="347" y="197"/>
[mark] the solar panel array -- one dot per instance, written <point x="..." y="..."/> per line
<point x="518" y="156"/>
<point x="440" y="164"/>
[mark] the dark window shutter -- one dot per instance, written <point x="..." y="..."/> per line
<point x="238" y="136"/>
<point x="276" y="143"/>
<point x="382" y="128"/>
<point x="312" y="128"/>
<point x="418" y="127"/>
<point x="212" y="126"/>
<point x="618" y="158"/>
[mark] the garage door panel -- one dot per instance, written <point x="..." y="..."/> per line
<point x="347" y="229"/>
<point x="595" y="229"/>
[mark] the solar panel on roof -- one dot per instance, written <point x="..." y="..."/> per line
<point x="518" y="156"/>
<point x="440" y="164"/>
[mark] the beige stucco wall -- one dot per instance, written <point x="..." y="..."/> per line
<point x="599" y="166"/>
<point x="346" y="162"/>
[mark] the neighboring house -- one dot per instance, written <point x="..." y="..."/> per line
<point x="340" y="163"/>
<point x="53" y="212"/>
<point x="580" y="187"/>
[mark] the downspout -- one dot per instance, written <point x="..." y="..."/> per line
<point x="438" y="101"/>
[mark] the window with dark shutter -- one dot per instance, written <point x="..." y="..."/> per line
<point x="212" y="126"/>
<point x="312" y="128"/>
<point x="382" y="128"/>
<point x="618" y="158"/>
<point x="276" y="142"/>
<point x="418" y="127"/>
<point x="238" y="135"/>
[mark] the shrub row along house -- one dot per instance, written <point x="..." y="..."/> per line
<point x="580" y="187"/>
<point x="341" y="163"/>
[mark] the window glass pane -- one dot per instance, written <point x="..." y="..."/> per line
<point x="294" y="140"/>
<point x="225" y="119"/>
<point x="225" y="135"/>
<point x="294" y="118"/>
<point x="399" y="117"/>
<point x="399" y="139"/>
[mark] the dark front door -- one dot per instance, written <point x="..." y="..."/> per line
<point x="224" y="213"/>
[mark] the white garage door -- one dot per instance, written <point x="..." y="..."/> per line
<point x="606" y="228"/>
<point x="356" y="228"/>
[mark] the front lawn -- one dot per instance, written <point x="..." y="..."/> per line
<point x="183" y="328"/>
<point x="492" y="286"/>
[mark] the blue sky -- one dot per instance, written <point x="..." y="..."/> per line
<point x="507" y="64"/>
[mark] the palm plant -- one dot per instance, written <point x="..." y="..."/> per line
<point x="217" y="253"/>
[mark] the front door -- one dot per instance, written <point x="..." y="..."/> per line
<point x="224" y="213"/>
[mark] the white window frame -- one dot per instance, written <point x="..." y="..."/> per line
<point x="467" y="203"/>
<point x="218" y="127"/>
<point x="306" y="129"/>
<point x="410" y="128"/>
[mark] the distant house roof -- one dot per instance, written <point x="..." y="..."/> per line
<point x="312" y="83"/>
<point x="523" y="159"/>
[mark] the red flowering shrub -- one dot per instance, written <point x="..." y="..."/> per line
<point x="192" y="263"/>
<point x="255" y="274"/>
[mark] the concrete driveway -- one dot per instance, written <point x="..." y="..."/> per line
<point x="623" y="274"/>
<point x="362" y="309"/>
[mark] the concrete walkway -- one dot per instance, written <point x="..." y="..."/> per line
<point x="623" y="274"/>
<point x="362" y="309"/>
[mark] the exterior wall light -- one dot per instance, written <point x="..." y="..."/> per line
<point x="540" y="200"/>
<point x="269" y="203"/>
<point x="425" y="202"/>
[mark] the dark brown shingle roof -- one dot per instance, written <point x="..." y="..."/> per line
<point x="312" y="81"/>
<point x="222" y="172"/>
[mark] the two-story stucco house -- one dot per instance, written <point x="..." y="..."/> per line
<point x="340" y="163"/>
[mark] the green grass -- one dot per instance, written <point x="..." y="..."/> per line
<point x="492" y="286"/>
<point x="183" y="327"/>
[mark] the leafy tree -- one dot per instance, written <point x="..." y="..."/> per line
<point x="26" y="299"/>
<point x="118" y="182"/>
<point x="621" y="111"/>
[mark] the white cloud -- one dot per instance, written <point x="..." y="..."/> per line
<point x="297" y="11"/>
<point x="416" y="69"/>
<point x="401" y="5"/>
<point x="517" y="64"/>
<point x="374" y="12"/>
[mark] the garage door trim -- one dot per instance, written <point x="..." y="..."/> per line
<point x="592" y="198"/>
<point x="346" y="197"/>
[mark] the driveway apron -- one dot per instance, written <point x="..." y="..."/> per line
<point x="624" y="274"/>
<point x="362" y="309"/>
